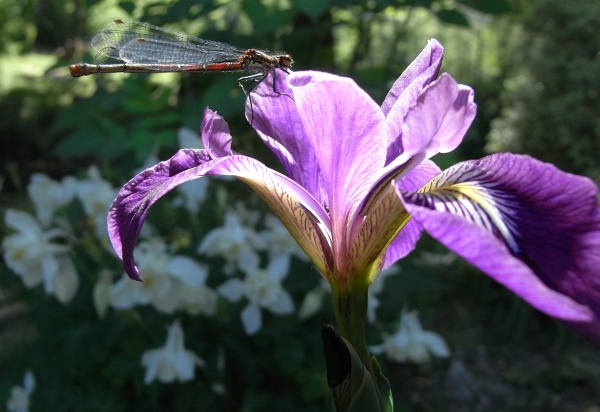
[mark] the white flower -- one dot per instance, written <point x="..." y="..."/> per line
<point x="170" y="283"/>
<point x="263" y="289"/>
<point x="31" y="255"/>
<point x="101" y="293"/>
<point x="232" y="241"/>
<point x="279" y="241"/>
<point x="411" y="342"/>
<point x="19" y="395"/>
<point x="247" y="217"/>
<point x="62" y="281"/>
<point x="193" y="194"/>
<point x="375" y="289"/>
<point x="172" y="361"/>
<point x="157" y="287"/>
<point x="313" y="301"/>
<point x="96" y="195"/>
<point x="195" y="297"/>
<point x="48" y="195"/>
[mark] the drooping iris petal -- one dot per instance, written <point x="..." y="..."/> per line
<point x="128" y="211"/>
<point x="529" y="226"/>
<point x="298" y="210"/>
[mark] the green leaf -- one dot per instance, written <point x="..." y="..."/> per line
<point x="385" y="392"/>
<point x="143" y="100"/>
<point x="364" y="395"/>
<point x="224" y="97"/>
<point x="351" y="383"/>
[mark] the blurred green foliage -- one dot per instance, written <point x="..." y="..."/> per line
<point x="551" y="99"/>
<point x="534" y="68"/>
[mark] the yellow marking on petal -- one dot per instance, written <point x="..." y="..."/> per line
<point x="383" y="223"/>
<point x="383" y="186"/>
<point x="469" y="194"/>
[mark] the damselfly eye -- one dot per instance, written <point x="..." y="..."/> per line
<point x="286" y="60"/>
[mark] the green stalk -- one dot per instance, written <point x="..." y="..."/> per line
<point x="350" y="310"/>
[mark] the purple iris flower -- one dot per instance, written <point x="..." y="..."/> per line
<point x="359" y="188"/>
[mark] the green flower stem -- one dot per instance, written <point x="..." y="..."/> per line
<point x="350" y="309"/>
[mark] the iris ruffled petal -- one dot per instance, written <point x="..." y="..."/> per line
<point x="403" y="94"/>
<point x="216" y="138"/>
<point x="439" y="119"/>
<point x="422" y="71"/>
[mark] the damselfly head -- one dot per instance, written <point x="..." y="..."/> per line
<point x="285" y="60"/>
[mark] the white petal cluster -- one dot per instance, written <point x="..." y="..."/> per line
<point x="48" y="195"/>
<point x="170" y="283"/>
<point x="101" y="292"/>
<point x="19" y="395"/>
<point x="313" y="301"/>
<point x="234" y="242"/>
<point x="172" y="361"/>
<point x="262" y="288"/>
<point x="279" y="241"/>
<point x="411" y="342"/>
<point x="96" y="196"/>
<point x="40" y="256"/>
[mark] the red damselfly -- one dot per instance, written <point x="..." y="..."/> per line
<point x="144" y="48"/>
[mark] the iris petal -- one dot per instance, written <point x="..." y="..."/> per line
<point x="515" y="218"/>
<point x="344" y="131"/>
<point x="439" y="119"/>
<point x="275" y="117"/>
